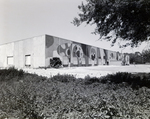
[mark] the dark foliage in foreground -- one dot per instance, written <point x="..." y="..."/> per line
<point x="8" y="74"/>
<point x="63" y="96"/>
<point x="135" y="80"/>
<point x="63" y="78"/>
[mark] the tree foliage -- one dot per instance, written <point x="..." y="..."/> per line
<point x="129" y="19"/>
<point x="146" y="55"/>
<point x="136" y="58"/>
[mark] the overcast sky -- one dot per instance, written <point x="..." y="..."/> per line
<point x="21" y="19"/>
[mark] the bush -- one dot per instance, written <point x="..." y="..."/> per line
<point x="63" y="78"/>
<point x="64" y="96"/>
<point x="90" y="80"/>
<point x="135" y="80"/>
<point x="8" y="74"/>
<point x="18" y="94"/>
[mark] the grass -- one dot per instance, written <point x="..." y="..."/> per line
<point x="116" y="96"/>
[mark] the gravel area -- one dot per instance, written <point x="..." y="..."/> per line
<point x="93" y="71"/>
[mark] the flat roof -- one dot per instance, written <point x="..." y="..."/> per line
<point x="55" y="37"/>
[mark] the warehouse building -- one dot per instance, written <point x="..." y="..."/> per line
<point x="37" y="51"/>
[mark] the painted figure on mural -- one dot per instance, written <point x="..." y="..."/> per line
<point x="71" y="50"/>
<point x="127" y="60"/>
<point x="78" y="53"/>
<point x="64" y="51"/>
<point x="93" y="56"/>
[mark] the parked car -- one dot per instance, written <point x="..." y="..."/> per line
<point x="55" y="62"/>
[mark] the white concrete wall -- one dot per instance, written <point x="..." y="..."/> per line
<point x="33" y="46"/>
<point x="5" y="51"/>
<point x="39" y="51"/>
<point x="19" y="54"/>
<point x="22" y="48"/>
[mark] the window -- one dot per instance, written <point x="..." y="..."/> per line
<point x="10" y="60"/>
<point x="27" y="60"/>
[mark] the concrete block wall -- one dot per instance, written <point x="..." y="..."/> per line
<point x="33" y="47"/>
<point x="5" y="52"/>
<point x="38" y="51"/>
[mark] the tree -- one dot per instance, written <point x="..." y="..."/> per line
<point x="136" y="58"/>
<point x="128" y="19"/>
<point x="146" y="55"/>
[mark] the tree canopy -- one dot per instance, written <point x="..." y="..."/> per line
<point x="128" y="19"/>
<point x="146" y="55"/>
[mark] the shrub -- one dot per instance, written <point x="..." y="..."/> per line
<point x="90" y="80"/>
<point x="64" y="96"/>
<point x="18" y="94"/>
<point x="63" y="78"/>
<point x="135" y="80"/>
<point x="7" y="74"/>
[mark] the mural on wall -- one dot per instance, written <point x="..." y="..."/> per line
<point x="99" y="61"/>
<point x="125" y="59"/>
<point x="71" y="51"/>
<point x="93" y="56"/>
<point x="112" y="55"/>
<point x="118" y="56"/>
<point x="102" y="54"/>
<point x="77" y="54"/>
<point x="86" y="54"/>
<point x="106" y="57"/>
<point x="64" y="50"/>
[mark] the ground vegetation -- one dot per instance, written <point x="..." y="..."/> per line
<point x="120" y="95"/>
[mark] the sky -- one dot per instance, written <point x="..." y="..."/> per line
<point x="22" y="19"/>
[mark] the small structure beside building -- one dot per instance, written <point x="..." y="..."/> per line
<point x="37" y="51"/>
